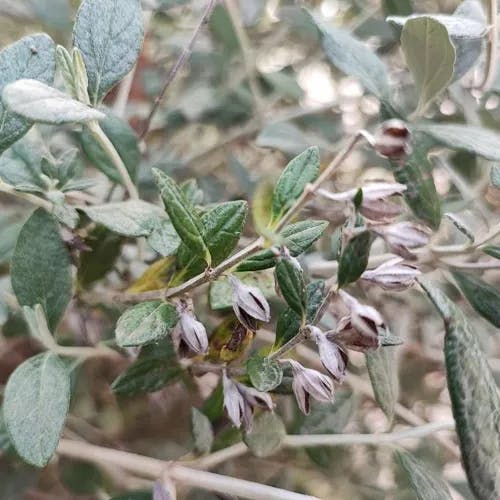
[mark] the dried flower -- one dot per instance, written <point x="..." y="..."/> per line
<point x="359" y="328"/>
<point x="240" y="401"/>
<point x="394" y="274"/>
<point x="332" y="356"/>
<point x="392" y="140"/>
<point x="380" y="210"/>
<point x="249" y="304"/>
<point x="309" y="383"/>
<point x="403" y="236"/>
<point x="193" y="333"/>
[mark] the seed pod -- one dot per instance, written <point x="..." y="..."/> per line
<point x="394" y="274"/>
<point x="392" y="140"/>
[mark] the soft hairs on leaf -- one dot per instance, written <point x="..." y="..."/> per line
<point x="475" y="398"/>
<point x="31" y="57"/>
<point x="109" y="34"/>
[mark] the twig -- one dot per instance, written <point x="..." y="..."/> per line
<point x="309" y="440"/>
<point x="220" y="456"/>
<point x="110" y="150"/>
<point x="154" y="468"/>
<point x="247" y="54"/>
<point x="491" y="54"/>
<point x="34" y="200"/>
<point x="181" y="61"/>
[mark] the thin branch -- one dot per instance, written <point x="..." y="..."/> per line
<point x="220" y="456"/>
<point x="181" y="61"/>
<point x="491" y="55"/>
<point x="30" y="198"/>
<point x="110" y="150"/>
<point x="154" y="468"/>
<point x="247" y="54"/>
<point x="309" y="440"/>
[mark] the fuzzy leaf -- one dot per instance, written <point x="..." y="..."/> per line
<point x="290" y="279"/>
<point x="36" y="402"/>
<point x="430" y="55"/>
<point x="416" y="175"/>
<point x="164" y="238"/>
<point x="301" y="171"/>
<point x="483" y="297"/>
<point x="264" y="374"/>
<point x="492" y="251"/>
<point x="477" y="140"/>
<point x="125" y="141"/>
<point x="109" y="34"/>
<point x="475" y="398"/>
<point x="41" y="267"/>
<point x="289" y="322"/>
<point x="354" y="259"/>
<point x="30" y="57"/>
<point x="38" y="102"/>
<point x="131" y="218"/>
<point x="383" y="374"/>
<point x="425" y="483"/>
<point x="145" y="323"/>
<point x="202" y="431"/>
<point x="266" y="436"/>
<point x="155" y="368"/>
<point x="182" y="215"/>
<point x="296" y="237"/>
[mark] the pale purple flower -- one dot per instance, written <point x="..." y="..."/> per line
<point x="394" y="274"/>
<point x="380" y="210"/>
<point x="404" y="236"/>
<point x="240" y="401"/>
<point x="309" y="383"/>
<point x="193" y="333"/>
<point x="249" y="304"/>
<point x="333" y="358"/>
<point x="392" y="140"/>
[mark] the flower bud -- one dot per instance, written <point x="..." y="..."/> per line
<point x="334" y="359"/>
<point x="380" y="210"/>
<point x="193" y="333"/>
<point x="240" y="401"/>
<point x="403" y="236"/>
<point x="392" y="275"/>
<point x="309" y="383"/>
<point x="249" y="304"/>
<point x="392" y="140"/>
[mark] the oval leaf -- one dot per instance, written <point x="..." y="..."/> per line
<point x="430" y="56"/>
<point x="202" y="431"/>
<point x="290" y="279"/>
<point x="354" y="259"/>
<point x="264" y="374"/>
<point x="35" y="406"/>
<point x="475" y="398"/>
<point x="38" y="102"/>
<point x="266" y="436"/>
<point x="41" y="267"/>
<point x="30" y="57"/>
<point x="145" y="323"/>
<point x="109" y="35"/>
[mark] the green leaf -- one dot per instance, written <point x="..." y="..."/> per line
<point x="477" y="140"/>
<point x="202" y="431"/>
<point x="492" y="251"/>
<point x="425" y="483"/>
<point x="483" y="297"/>
<point x="164" y="238"/>
<point x="290" y="279"/>
<point x="30" y="57"/>
<point x="283" y="136"/>
<point x="430" y="55"/>
<point x="182" y="215"/>
<point x="301" y="171"/>
<point x="125" y="141"/>
<point x="145" y="323"/>
<point x="354" y="58"/>
<point x="109" y="34"/>
<point x="222" y="227"/>
<point x="495" y="176"/>
<point x="221" y="290"/>
<point x="475" y="397"/>
<point x="5" y="442"/>
<point x="104" y="248"/>
<point x="131" y="218"/>
<point x="296" y="237"/>
<point x="416" y="174"/>
<point x="397" y="7"/>
<point x="383" y="373"/>
<point x="155" y="368"/>
<point x="266" y="436"/>
<point x="264" y="374"/>
<point x="41" y="267"/>
<point x="36" y="402"/>
<point x="38" y="102"/>
<point x="289" y="322"/>
<point x="354" y="259"/>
